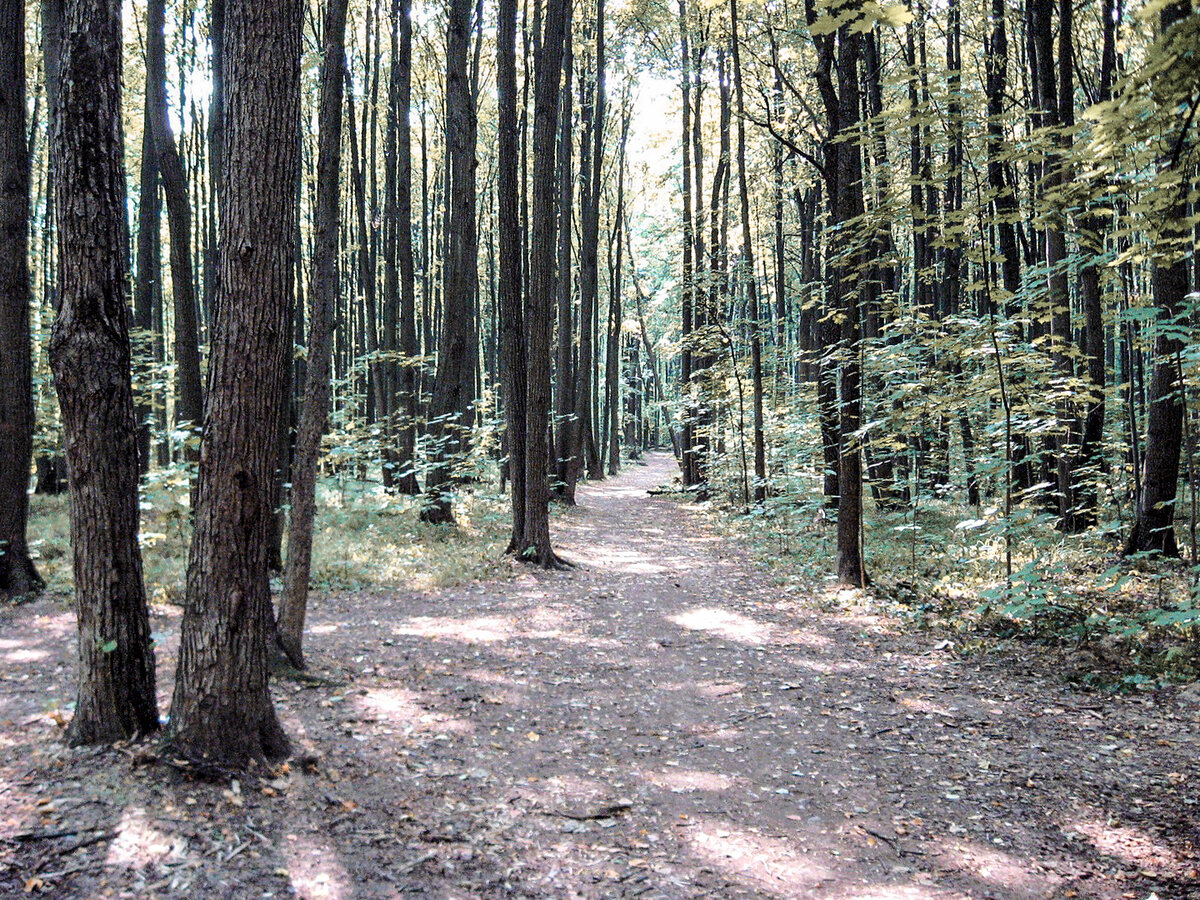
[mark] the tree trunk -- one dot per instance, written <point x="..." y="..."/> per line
<point x="216" y="157"/>
<point x="221" y="714"/>
<point x="90" y="358"/>
<point x="51" y="465"/>
<point x="591" y="167"/>
<point x="837" y="80"/>
<point x="849" y="206"/>
<point x="748" y="273"/>
<point x="454" y="387"/>
<point x="612" y="364"/>
<point x="189" y="402"/>
<point x="406" y="476"/>
<point x="535" y="545"/>
<point x="148" y="287"/>
<point x="1154" y="524"/>
<point x="512" y="333"/>
<point x="315" y="409"/>
<point x="564" y="425"/>
<point x="687" y="285"/>
<point x="389" y="313"/>
<point x="18" y="575"/>
<point x="1092" y="238"/>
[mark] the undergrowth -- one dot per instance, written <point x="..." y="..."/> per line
<point x="1124" y="624"/>
<point x="364" y="538"/>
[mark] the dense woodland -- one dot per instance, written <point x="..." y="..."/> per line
<point x="865" y="267"/>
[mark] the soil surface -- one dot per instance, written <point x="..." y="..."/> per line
<point x="660" y="721"/>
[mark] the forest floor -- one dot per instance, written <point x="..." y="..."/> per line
<point x="659" y="721"/>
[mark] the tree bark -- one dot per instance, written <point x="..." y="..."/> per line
<point x="148" y="287"/>
<point x="389" y="370"/>
<point x="848" y="205"/>
<point x="51" y="465"/>
<point x="748" y="273"/>
<point x="221" y="714"/>
<point x="687" y="284"/>
<point x="454" y="388"/>
<point x="189" y="403"/>
<point x="837" y="80"/>
<point x="18" y="575"/>
<point x="314" y="411"/>
<point x="564" y="425"/>
<point x="406" y="476"/>
<point x="90" y="358"/>
<point x="512" y="335"/>
<point x="216" y="158"/>
<point x="540" y="299"/>
<point x="1154" y="524"/>
<point x="591" y="169"/>
<point x="612" y="364"/>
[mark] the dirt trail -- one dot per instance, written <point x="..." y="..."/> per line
<point x="659" y="721"/>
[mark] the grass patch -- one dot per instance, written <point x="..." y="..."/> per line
<point x="363" y="539"/>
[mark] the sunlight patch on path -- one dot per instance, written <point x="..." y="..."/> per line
<point x="401" y="708"/>
<point x="139" y="844"/>
<point x="1130" y="844"/>
<point x="765" y="862"/>
<point x="893" y="892"/>
<point x="628" y="561"/>
<point x="315" y="871"/>
<point x="730" y="625"/>
<point x="683" y="781"/>
<point x="1016" y="877"/>
<point x="483" y="629"/>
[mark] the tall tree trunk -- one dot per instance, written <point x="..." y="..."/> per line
<point x="748" y="274"/>
<point x="849" y="206"/>
<point x="51" y="466"/>
<point x="1154" y="522"/>
<point x="406" y="477"/>
<point x="837" y="80"/>
<point x="612" y="365"/>
<point x="780" y="264"/>
<point x="221" y="713"/>
<point x="390" y="302"/>
<point x="216" y="157"/>
<point x="148" y="287"/>
<point x="564" y="424"/>
<point x="535" y="545"/>
<point x="189" y="411"/>
<point x="687" y="287"/>
<point x="1092" y="238"/>
<point x="90" y="358"/>
<point x="325" y="289"/>
<point x="1004" y="202"/>
<point x="366" y="263"/>
<point x="591" y="169"/>
<point x="454" y="387"/>
<point x="512" y="320"/>
<point x="18" y="575"/>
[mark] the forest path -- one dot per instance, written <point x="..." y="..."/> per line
<point x="660" y="721"/>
